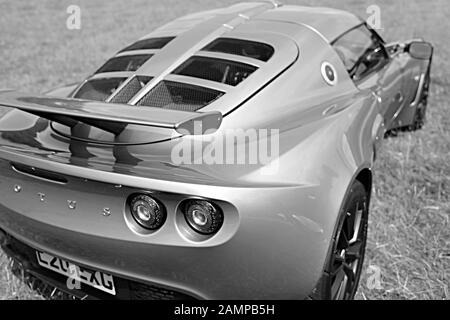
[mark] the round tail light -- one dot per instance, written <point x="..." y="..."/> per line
<point x="147" y="212"/>
<point x="203" y="216"/>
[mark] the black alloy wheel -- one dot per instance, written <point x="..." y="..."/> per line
<point x="342" y="272"/>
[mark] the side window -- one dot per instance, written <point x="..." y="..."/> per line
<point x="361" y="51"/>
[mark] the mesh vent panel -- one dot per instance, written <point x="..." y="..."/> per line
<point x="179" y="96"/>
<point x="125" y="63"/>
<point x="148" y="44"/>
<point x="252" y="49"/>
<point x="130" y="89"/>
<point x="140" y="291"/>
<point x="99" y="89"/>
<point x="218" y="70"/>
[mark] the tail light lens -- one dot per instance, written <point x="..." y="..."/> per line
<point x="147" y="212"/>
<point x="203" y="216"/>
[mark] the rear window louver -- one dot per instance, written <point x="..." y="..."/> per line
<point x="224" y="71"/>
<point x="149" y="44"/>
<point x="99" y="89"/>
<point x="130" y="89"/>
<point x="246" y="48"/>
<point x="124" y="63"/>
<point x="179" y="96"/>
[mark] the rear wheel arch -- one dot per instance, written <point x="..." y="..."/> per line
<point x="364" y="177"/>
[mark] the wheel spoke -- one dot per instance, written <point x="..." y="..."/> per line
<point x="337" y="283"/>
<point x="349" y="272"/>
<point x="356" y="224"/>
<point x="354" y="251"/>
<point x="350" y="223"/>
<point x="337" y="269"/>
<point x="338" y="259"/>
<point x="342" y="241"/>
<point x="350" y="279"/>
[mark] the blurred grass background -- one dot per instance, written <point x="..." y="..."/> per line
<point x="409" y="236"/>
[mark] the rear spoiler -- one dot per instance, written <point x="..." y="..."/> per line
<point x="110" y="117"/>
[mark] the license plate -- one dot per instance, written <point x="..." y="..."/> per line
<point x="96" y="279"/>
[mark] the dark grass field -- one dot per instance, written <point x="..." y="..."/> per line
<point x="409" y="238"/>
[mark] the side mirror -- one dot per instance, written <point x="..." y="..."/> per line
<point x="420" y="50"/>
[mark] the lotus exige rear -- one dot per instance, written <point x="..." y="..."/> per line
<point x="226" y="155"/>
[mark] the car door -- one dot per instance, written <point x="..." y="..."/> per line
<point x="370" y="67"/>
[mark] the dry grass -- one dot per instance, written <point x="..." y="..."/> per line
<point x="410" y="213"/>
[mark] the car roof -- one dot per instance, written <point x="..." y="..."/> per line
<point x="328" y="22"/>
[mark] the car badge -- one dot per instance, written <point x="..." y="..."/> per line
<point x="106" y="212"/>
<point x="41" y="196"/>
<point x="72" y="204"/>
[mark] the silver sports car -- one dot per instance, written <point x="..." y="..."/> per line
<point x="226" y="155"/>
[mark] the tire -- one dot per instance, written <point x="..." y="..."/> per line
<point x="421" y="110"/>
<point x="345" y="259"/>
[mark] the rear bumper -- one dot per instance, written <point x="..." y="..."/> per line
<point x="239" y="270"/>
<point x="272" y="245"/>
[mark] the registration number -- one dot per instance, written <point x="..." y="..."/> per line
<point x="96" y="279"/>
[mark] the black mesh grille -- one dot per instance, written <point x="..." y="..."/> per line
<point x="99" y="89"/>
<point x="140" y="291"/>
<point x="218" y="70"/>
<point x="130" y="89"/>
<point x="179" y="96"/>
<point x="252" y="49"/>
<point x="147" y="44"/>
<point x="125" y="63"/>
